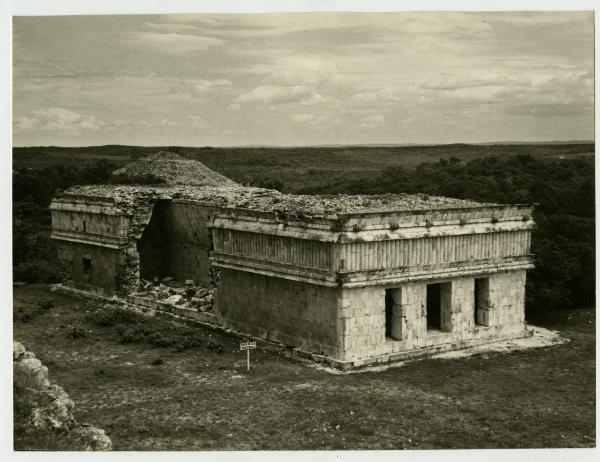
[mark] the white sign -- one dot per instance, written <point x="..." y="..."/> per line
<point x="247" y="346"/>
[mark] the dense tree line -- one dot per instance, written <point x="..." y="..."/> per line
<point x="34" y="256"/>
<point x="563" y="242"/>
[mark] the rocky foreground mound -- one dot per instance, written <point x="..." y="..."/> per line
<point x="44" y="411"/>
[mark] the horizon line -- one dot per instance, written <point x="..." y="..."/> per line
<point x="322" y="145"/>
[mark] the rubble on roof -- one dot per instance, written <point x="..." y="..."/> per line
<point x="192" y="180"/>
<point x="173" y="170"/>
<point x="268" y="200"/>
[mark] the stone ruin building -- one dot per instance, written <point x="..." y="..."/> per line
<point x="350" y="280"/>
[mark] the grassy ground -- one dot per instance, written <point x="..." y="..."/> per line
<point x="162" y="398"/>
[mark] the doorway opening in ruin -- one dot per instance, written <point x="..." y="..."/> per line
<point x="389" y="312"/>
<point x="87" y="269"/>
<point x="152" y="244"/>
<point x="434" y="306"/>
<point x="482" y="295"/>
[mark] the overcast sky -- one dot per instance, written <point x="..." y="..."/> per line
<point x="296" y="79"/>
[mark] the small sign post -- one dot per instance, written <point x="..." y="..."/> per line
<point x="247" y="346"/>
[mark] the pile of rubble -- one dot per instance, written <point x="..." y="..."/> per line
<point x="133" y="198"/>
<point x="50" y="407"/>
<point x="186" y="294"/>
<point x="174" y="169"/>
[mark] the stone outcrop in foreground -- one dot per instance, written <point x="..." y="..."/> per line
<point x="50" y="406"/>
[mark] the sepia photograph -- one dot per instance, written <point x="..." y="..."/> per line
<point x="302" y="231"/>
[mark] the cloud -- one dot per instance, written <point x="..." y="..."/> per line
<point x="302" y="117"/>
<point x="59" y="119"/>
<point x="453" y="82"/>
<point x="167" y="123"/>
<point x="273" y="94"/>
<point x="198" y="122"/>
<point x="492" y="75"/>
<point x="174" y="43"/>
<point x="372" y="121"/>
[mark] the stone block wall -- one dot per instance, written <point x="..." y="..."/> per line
<point x="88" y="217"/>
<point x="507" y="299"/>
<point x="295" y="313"/>
<point x="362" y="315"/>
<point x="103" y="272"/>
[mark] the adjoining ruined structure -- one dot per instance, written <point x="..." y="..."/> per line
<point x="357" y="279"/>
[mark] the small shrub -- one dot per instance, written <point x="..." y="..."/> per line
<point x="159" y="340"/>
<point x="136" y="334"/>
<point x="215" y="347"/>
<point x="109" y="316"/>
<point x="75" y="332"/>
<point x="45" y="305"/>
<point x="187" y="341"/>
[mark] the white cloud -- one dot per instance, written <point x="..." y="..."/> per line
<point x="372" y="121"/>
<point x="302" y="117"/>
<point x="167" y="123"/>
<point x="174" y="43"/>
<point x="59" y="119"/>
<point x="272" y="94"/>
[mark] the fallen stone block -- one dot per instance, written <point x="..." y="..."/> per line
<point x="201" y="293"/>
<point x="174" y="299"/>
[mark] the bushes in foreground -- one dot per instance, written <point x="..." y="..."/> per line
<point x="135" y="328"/>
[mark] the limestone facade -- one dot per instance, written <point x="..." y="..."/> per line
<point x="356" y="287"/>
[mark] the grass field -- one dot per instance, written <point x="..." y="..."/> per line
<point x="193" y="396"/>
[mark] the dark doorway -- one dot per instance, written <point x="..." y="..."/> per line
<point x="482" y="295"/>
<point x="389" y="306"/>
<point x="434" y="304"/>
<point x="87" y="269"/>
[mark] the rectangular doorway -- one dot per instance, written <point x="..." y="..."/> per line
<point x="434" y="306"/>
<point x="482" y="296"/>
<point x="389" y="312"/>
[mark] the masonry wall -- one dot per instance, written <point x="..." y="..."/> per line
<point x="362" y="316"/>
<point x="295" y="313"/>
<point x="82" y="217"/>
<point x="105" y="264"/>
<point x="177" y="242"/>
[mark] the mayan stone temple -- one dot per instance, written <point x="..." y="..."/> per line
<point x="349" y="280"/>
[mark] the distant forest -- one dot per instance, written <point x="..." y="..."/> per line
<point x="559" y="178"/>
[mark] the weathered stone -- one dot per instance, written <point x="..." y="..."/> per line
<point x="30" y="373"/>
<point x="311" y="271"/>
<point x="174" y="300"/>
<point x="55" y="411"/>
<point x="200" y="293"/>
<point x="94" y="439"/>
<point x="18" y="350"/>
